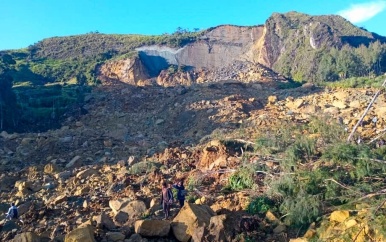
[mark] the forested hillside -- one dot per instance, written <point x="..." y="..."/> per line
<point x="323" y="48"/>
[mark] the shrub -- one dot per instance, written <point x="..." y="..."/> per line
<point x="303" y="149"/>
<point x="356" y="82"/>
<point x="241" y="179"/>
<point x="260" y="205"/>
<point x="273" y="142"/>
<point x="193" y="182"/>
<point x="380" y="153"/>
<point x="302" y="209"/>
<point x="357" y="157"/>
<point x="191" y="198"/>
<point x="329" y="132"/>
<point x="301" y="197"/>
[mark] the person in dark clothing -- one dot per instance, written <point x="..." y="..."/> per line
<point x="13" y="213"/>
<point x="166" y="199"/>
<point x="181" y="192"/>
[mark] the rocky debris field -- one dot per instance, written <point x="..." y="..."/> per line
<point x="98" y="177"/>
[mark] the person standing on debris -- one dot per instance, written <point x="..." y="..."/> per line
<point x="13" y="213"/>
<point x="181" y="192"/>
<point x="166" y="199"/>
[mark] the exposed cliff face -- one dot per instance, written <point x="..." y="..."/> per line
<point x="285" y="43"/>
<point x="286" y="33"/>
<point x="222" y="46"/>
<point x="129" y="71"/>
<point x="219" y="47"/>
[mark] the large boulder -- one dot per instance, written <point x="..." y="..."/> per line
<point x="8" y="225"/>
<point x="217" y="230"/>
<point x="24" y="187"/>
<point x="104" y="221"/>
<point x="152" y="228"/>
<point x="23" y="208"/>
<point x="117" y="204"/>
<point x="134" y="209"/>
<point x="214" y="150"/>
<point x="84" y="234"/>
<point x="51" y="168"/>
<point x="190" y="218"/>
<point x="74" y="162"/>
<point x="121" y="217"/>
<point x="26" y="237"/>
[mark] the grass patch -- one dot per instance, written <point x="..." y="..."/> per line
<point x="241" y="179"/>
<point x="356" y="82"/>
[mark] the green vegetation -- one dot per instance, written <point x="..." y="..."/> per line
<point x="260" y="205"/>
<point x="357" y="82"/>
<point x="241" y="179"/>
<point x="8" y="115"/>
<point x="325" y="48"/>
<point x="105" y="45"/>
<point x="319" y="172"/>
<point x="42" y="107"/>
<point x="72" y="63"/>
<point x="62" y="59"/>
<point x="142" y="167"/>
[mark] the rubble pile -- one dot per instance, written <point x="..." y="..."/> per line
<point x="98" y="177"/>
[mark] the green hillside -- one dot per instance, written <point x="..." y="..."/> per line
<point x="323" y="48"/>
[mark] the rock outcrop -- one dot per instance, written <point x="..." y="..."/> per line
<point x="152" y="228"/>
<point x="191" y="222"/>
<point x="85" y="234"/>
<point x="130" y="71"/>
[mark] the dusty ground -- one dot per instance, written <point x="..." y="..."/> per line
<point x="132" y="138"/>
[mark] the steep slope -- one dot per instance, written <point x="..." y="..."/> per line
<point x="218" y="47"/>
<point x="295" y="43"/>
<point x="211" y="57"/>
<point x="286" y="33"/>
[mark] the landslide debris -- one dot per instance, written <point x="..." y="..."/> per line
<point x="98" y="176"/>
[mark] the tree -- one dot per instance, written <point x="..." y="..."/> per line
<point x="348" y="64"/>
<point x="371" y="57"/>
<point x="376" y="50"/>
<point x="326" y="69"/>
<point x="8" y="107"/>
<point x="8" y="101"/>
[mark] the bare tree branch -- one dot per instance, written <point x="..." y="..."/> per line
<point x="340" y="184"/>
<point x="360" y="231"/>
<point x="383" y="132"/>
<point x="365" y="112"/>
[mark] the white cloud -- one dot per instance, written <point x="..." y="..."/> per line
<point x="358" y="13"/>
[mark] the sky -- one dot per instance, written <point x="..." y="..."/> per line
<point x="25" y="22"/>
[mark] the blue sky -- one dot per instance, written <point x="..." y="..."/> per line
<point x="25" y="22"/>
